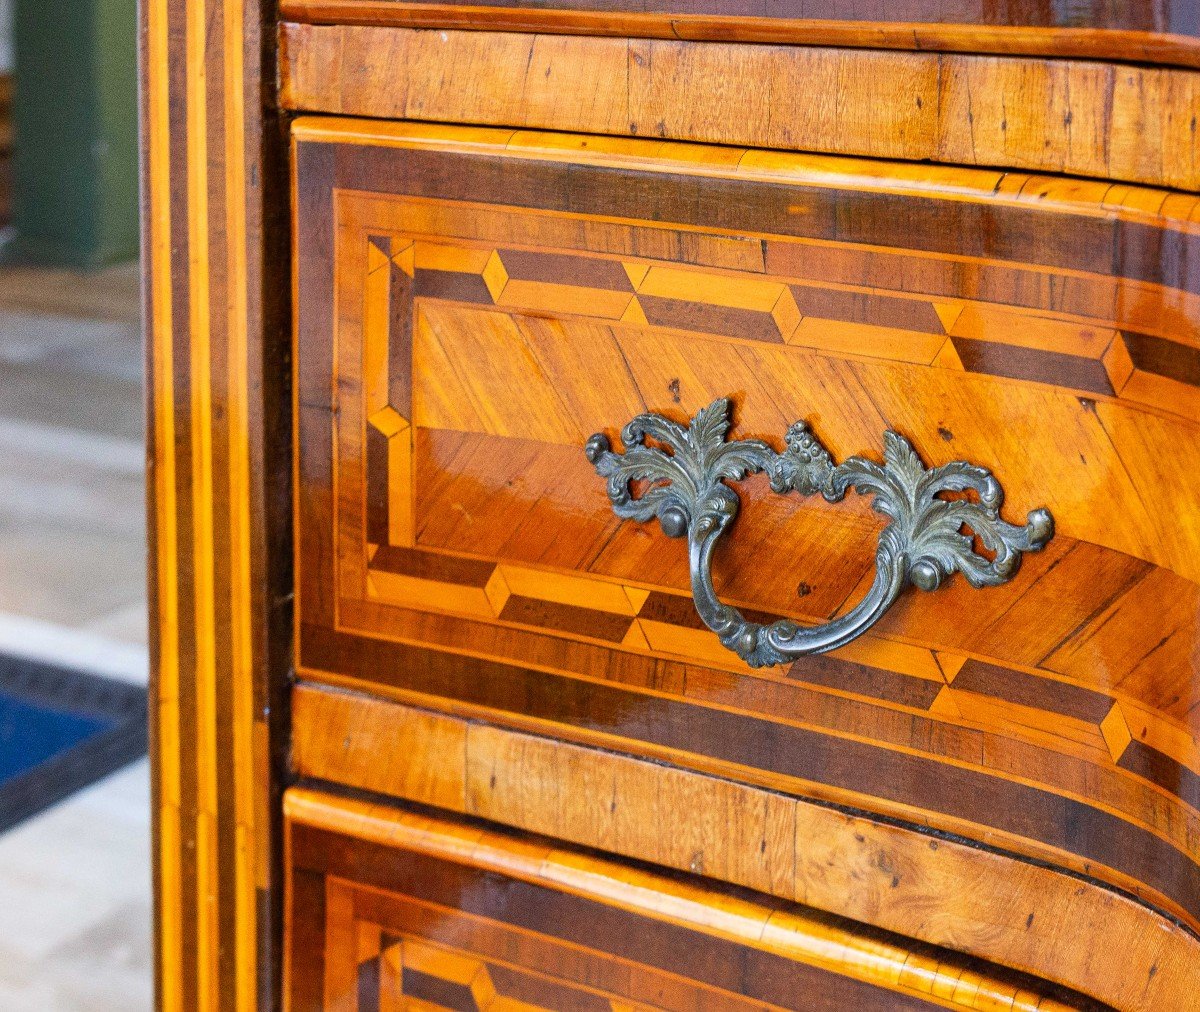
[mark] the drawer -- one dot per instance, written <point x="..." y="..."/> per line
<point x="951" y="104"/>
<point x="474" y="304"/>
<point x="928" y="888"/>
<point x="389" y="909"/>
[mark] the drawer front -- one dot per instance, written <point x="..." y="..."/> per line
<point x="474" y="304"/>
<point x="932" y="889"/>
<point x="1082" y="118"/>
<point x="391" y="910"/>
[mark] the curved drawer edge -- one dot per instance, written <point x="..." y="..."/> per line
<point x="935" y="889"/>
<point x="387" y="901"/>
<point x="1121" y="36"/>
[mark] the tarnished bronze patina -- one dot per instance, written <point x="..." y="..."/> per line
<point x="923" y="544"/>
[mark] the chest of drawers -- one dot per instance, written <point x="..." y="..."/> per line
<point x="675" y="508"/>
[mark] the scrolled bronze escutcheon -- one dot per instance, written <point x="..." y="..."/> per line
<point x="923" y="543"/>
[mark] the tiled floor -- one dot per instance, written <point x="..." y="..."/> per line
<point x="75" y="881"/>
<point x="74" y="913"/>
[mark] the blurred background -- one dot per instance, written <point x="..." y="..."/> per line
<point x="74" y="795"/>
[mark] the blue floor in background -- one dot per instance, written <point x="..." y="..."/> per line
<point x="60" y="730"/>
<point x="31" y="733"/>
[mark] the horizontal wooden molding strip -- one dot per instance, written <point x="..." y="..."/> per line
<point x="990" y="905"/>
<point x="1113" y="32"/>
<point x="1128" y="123"/>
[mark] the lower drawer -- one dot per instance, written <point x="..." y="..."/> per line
<point x="390" y="908"/>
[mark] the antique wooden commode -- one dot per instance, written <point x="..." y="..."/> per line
<point x="666" y="504"/>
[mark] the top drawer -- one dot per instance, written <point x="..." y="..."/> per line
<point x="474" y="304"/>
<point x="1088" y="118"/>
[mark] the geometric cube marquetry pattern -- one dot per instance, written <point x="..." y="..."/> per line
<point x="954" y="334"/>
<point x="941" y="683"/>
<point x="437" y="976"/>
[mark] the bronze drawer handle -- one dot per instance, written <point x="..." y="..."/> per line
<point x="924" y="542"/>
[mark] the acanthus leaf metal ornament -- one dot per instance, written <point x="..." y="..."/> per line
<point x="925" y="541"/>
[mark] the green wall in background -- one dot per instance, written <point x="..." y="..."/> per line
<point x="75" y="186"/>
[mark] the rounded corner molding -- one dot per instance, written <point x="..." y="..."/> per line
<point x="922" y="544"/>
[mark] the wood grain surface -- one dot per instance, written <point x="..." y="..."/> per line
<point x="990" y="245"/>
<point x="1144" y="31"/>
<point x="935" y="889"/>
<point x="1117" y="122"/>
<point x="391" y="909"/>
<point x="217" y="422"/>
<point x="479" y="311"/>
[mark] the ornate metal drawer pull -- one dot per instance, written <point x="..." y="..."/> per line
<point x="924" y="543"/>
